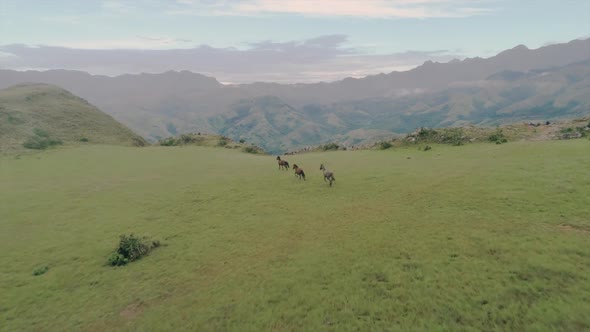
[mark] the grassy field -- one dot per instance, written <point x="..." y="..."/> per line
<point x="478" y="237"/>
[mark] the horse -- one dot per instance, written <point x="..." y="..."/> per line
<point x="299" y="172"/>
<point x="282" y="163"/>
<point x="329" y="176"/>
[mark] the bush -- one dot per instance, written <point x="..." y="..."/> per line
<point x="385" y="145"/>
<point x="250" y="149"/>
<point x="498" y="137"/>
<point x="242" y="141"/>
<point x="571" y="133"/>
<point x="454" y="136"/>
<point x="40" y="132"/>
<point x="168" y="142"/>
<point x="40" y="142"/>
<point x="222" y="142"/>
<point x="426" y="148"/>
<point x="567" y="130"/>
<point x="185" y="139"/>
<point x="425" y="134"/>
<point x="84" y="139"/>
<point x="131" y="248"/>
<point x="116" y="259"/>
<point x="40" y="270"/>
<point x="329" y="147"/>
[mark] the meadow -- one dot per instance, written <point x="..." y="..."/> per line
<point x="477" y="237"/>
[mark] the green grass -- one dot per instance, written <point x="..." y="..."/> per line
<point x="477" y="237"/>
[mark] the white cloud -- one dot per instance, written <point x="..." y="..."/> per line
<point x="136" y="43"/>
<point x="117" y="6"/>
<point x="351" y="8"/>
<point x="7" y="56"/>
<point x="324" y="58"/>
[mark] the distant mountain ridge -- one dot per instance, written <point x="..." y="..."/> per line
<point x="515" y="84"/>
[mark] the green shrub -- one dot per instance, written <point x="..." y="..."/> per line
<point x="40" y="140"/>
<point x="426" y="134"/>
<point x="242" y="141"/>
<point x="454" y="136"/>
<point x="426" y="148"/>
<point x="131" y="248"/>
<point x="567" y="130"/>
<point x="40" y="270"/>
<point x="185" y="139"/>
<point x="84" y="139"/>
<point x="250" y="149"/>
<point x="168" y="142"/>
<point x="116" y="259"/>
<point x="329" y="147"/>
<point x="40" y="143"/>
<point x="571" y="133"/>
<point x="385" y="145"/>
<point x="222" y="142"/>
<point x="498" y="137"/>
<point x="40" y="132"/>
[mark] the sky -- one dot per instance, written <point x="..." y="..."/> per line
<point x="285" y="41"/>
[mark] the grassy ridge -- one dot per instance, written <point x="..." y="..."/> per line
<point x="481" y="237"/>
<point x="27" y="110"/>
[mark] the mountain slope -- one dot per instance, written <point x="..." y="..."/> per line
<point x="505" y="87"/>
<point x="29" y="111"/>
<point x="536" y="95"/>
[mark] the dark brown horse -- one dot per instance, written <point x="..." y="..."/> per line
<point x="283" y="163"/>
<point x="328" y="176"/>
<point x="299" y="172"/>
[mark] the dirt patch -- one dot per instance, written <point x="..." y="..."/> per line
<point x="575" y="229"/>
<point x="132" y="311"/>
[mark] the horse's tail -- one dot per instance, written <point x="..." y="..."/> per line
<point x="303" y="174"/>
<point x="287" y="164"/>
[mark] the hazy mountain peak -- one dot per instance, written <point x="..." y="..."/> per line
<point x="520" y="47"/>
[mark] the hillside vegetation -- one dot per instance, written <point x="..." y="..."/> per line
<point x="38" y="116"/>
<point x="209" y="140"/>
<point x="475" y="237"/>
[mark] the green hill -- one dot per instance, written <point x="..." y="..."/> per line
<point x="39" y="115"/>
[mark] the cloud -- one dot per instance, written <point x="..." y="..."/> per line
<point x="325" y="58"/>
<point x="120" y="7"/>
<point x="137" y="42"/>
<point x="335" y="8"/>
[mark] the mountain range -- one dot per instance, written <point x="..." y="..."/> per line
<point x="517" y="84"/>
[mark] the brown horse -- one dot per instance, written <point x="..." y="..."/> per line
<point x="327" y="174"/>
<point x="283" y="163"/>
<point x="299" y="172"/>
